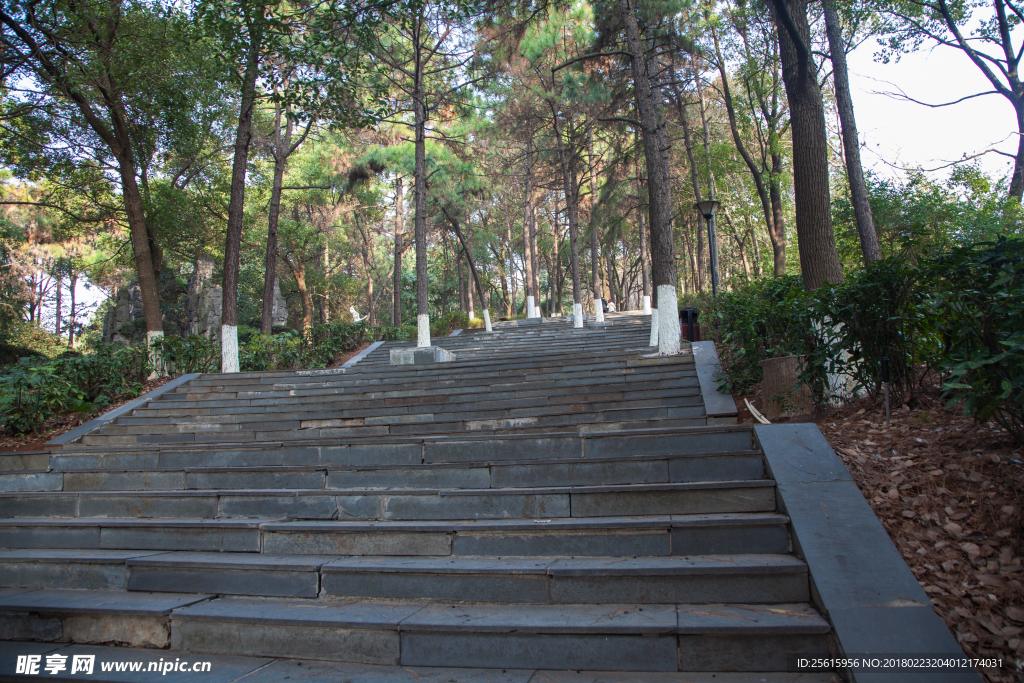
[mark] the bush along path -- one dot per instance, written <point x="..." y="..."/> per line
<point x="949" y="491"/>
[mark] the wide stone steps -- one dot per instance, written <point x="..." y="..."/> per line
<point x="434" y="405"/>
<point x="490" y="376"/>
<point x="608" y="637"/>
<point x="419" y="504"/>
<point x="646" y="536"/>
<point x="639" y="469"/>
<point x="402" y="451"/>
<point x="551" y="500"/>
<point x="645" y="580"/>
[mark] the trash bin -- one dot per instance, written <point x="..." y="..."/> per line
<point x="688" y="321"/>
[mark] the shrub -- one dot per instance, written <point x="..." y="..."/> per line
<point x="961" y="313"/>
<point x="36" y="390"/>
<point x="288" y="350"/>
<point x="883" y="311"/>
<point x="764" y="319"/>
<point x="980" y="321"/>
<point x="184" y="355"/>
<point x="32" y="392"/>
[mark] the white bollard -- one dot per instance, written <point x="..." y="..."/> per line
<point x="647" y="305"/>
<point x="423" y="330"/>
<point x="228" y="348"/>
<point x="577" y="315"/>
<point x="487" y="320"/>
<point x="654" y="328"/>
<point x="159" y="370"/>
<point x="669" y="333"/>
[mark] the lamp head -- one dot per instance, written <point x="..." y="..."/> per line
<point x="707" y="208"/>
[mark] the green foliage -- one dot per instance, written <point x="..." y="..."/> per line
<point x="36" y="340"/>
<point x="882" y="311"/>
<point x="31" y="393"/>
<point x="289" y="350"/>
<point x="961" y="313"/>
<point x="35" y="390"/>
<point x="980" y="320"/>
<point x="765" y="319"/>
<point x="184" y="355"/>
<point x="394" y="332"/>
<point x="452" y="320"/>
<point x="10" y="353"/>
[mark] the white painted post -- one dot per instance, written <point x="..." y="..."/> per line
<point x="228" y="348"/>
<point x="647" y="305"/>
<point x="155" y="359"/>
<point x="577" y="315"/>
<point x="668" y="320"/>
<point x="423" y="330"/>
<point x="654" y="328"/>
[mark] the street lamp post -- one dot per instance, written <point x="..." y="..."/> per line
<point x="707" y="209"/>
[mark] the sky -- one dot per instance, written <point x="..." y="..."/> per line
<point x="906" y="134"/>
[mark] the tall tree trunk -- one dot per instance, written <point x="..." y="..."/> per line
<point x="659" y="183"/>
<point x="530" y="236"/>
<point x="236" y="210"/>
<point x="696" y="259"/>
<point x="595" y="257"/>
<point x="507" y="270"/>
<point x="712" y="233"/>
<point x="567" y="160"/>
<point x="767" y="206"/>
<point x="59" y="282"/>
<point x="72" y="281"/>
<point x="298" y="269"/>
<point x="282" y="141"/>
<point x="851" y="141"/>
<point x="645" y="257"/>
<point x="396" y="307"/>
<point x="819" y="259"/>
<point x="778" y="234"/>
<point x="420" y="190"/>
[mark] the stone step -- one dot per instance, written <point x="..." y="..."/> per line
<point x="568" y="421"/>
<point x="538" y="502"/>
<point x="641" y="469"/>
<point x="613" y="637"/>
<point x="642" y="580"/>
<point x="557" y="366"/>
<point x="603" y="408"/>
<point x="406" y="451"/>
<point x="653" y="535"/>
<point x="92" y="616"/>
<point x="689" y="396"/>
<point x="519" y="387"/>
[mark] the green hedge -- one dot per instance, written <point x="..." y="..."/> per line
<point x="960" y="314"/>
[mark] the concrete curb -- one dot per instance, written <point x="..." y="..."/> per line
<point x="361" y="355"/>
<point x="720" y="408"/>
<point x="112" y="415"/>
<point x="859" y="580"/>
<point x="456" y="333"/>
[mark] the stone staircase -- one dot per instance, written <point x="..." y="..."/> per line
<point x="555" y="501"/>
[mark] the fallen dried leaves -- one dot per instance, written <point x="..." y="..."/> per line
<point x="949" y="492"/>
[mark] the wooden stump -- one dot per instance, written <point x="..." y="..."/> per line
<point x="783" y="395"/>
